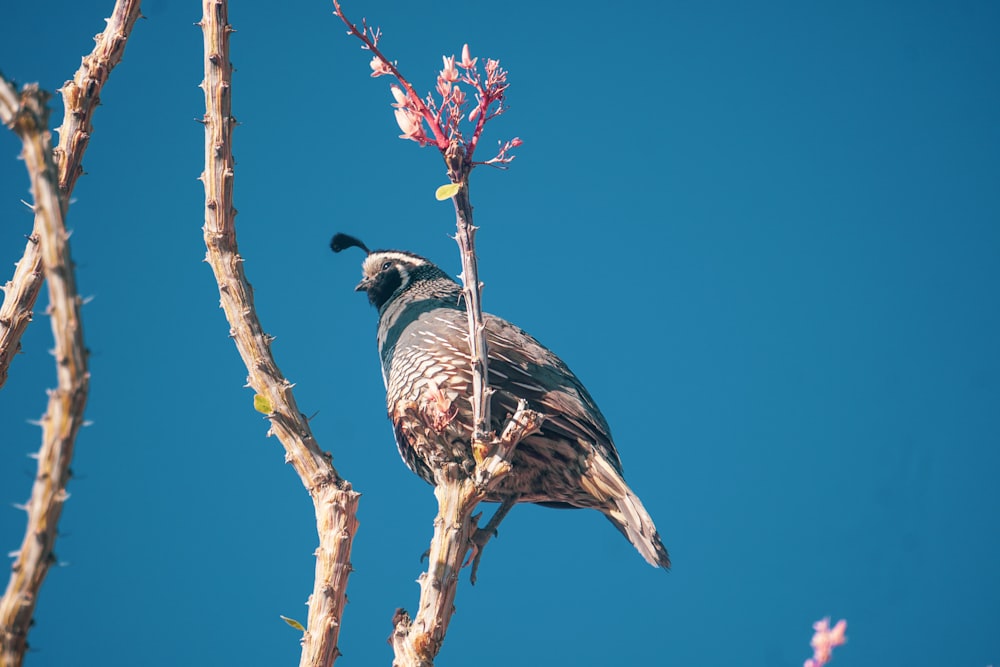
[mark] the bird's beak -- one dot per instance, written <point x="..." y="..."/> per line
<point x="363" y="285"/>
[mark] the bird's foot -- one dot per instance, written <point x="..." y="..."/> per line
<point x="479" y="540"/>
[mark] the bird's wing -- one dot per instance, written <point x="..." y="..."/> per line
<point x="521" y="367"/>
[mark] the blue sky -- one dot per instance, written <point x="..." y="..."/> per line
<point x="767" y="238"/>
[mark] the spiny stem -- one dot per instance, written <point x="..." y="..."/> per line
<point x="334" y="501"/>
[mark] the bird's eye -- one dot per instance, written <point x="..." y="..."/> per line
<point x="386" y="265"/>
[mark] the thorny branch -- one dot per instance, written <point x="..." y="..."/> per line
<point x="64" y="416"/>
<point x="417" y="641"/>
<point x="22" y="290"/>
<point x="48" y="256"/>
<point x="334" y="501"/>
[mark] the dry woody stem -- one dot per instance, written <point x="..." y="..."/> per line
<point x="417" y="641"/>
<point x="334" y="501"/>
<point x="458" y="172"/>
<point x="47" y="256"/>
<point x="64" y="416"/>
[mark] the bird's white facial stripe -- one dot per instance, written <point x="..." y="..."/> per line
<point x="374" y="262"/>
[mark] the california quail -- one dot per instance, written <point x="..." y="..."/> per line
<point x="424" y="347"/>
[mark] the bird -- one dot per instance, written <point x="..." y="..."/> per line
<point x="423" y="345"/>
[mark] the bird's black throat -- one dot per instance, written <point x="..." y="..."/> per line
<point x="383" y="286"/>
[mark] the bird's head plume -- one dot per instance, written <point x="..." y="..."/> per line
<point x="383" y="272"/>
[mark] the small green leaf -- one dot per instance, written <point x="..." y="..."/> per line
<point x="262" y="404"/>
<point x="292" y="622"/>
<point x="447" y="191"/>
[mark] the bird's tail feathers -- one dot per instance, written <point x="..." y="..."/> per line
<point x="625" y="511"/>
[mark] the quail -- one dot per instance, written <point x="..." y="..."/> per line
<point x="423" y="345"/>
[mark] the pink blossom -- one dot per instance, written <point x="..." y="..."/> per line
<point x="399" y="95"/>
<point x="824" y="641"/>
<point x="449" y="73"/>
<point x="438" y="118"/>
<point x="409" y="123"/>
<point x="467" y="62"/>
<point x="379" y="66"/>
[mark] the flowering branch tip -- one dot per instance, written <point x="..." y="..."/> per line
<point x="445" y="114"/>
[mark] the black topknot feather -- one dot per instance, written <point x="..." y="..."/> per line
<point x="343" y="241"/>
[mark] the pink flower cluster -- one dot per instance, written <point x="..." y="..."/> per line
<point x="824" y="641"/>
<point x="439" y="120"/>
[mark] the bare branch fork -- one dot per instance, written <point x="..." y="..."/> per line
<point x="334" y="500"/>
<point x="47" y="256"/>
<point x="417" y="641"/>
